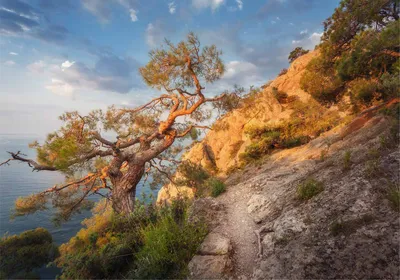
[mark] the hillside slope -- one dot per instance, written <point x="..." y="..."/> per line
<point x="349" y="230"/>
<point x="343" y="223"/>
<point x="222" y="145"/>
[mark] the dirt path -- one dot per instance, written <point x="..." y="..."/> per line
<point x="239" y="227"/>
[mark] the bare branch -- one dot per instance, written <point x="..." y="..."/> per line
<point x="36" y="166"/>
<point x="162" y="172"/>
<point x="83" y="180"/>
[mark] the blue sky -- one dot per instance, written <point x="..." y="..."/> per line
<point x="59" y="55"/>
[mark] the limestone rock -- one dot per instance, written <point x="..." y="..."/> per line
<point x="259" y="207"/>
<point x="209" y="267"/>
<point x="215" y="244"/>
<point x="221" y="147"/>
<point x="170" y="192"/>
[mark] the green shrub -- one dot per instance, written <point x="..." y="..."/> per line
<point x="351" y="226"/>
<point x="394" y="197"/>
<point x="306" y="121"/>
<point x="390" y="85"/>
<point x="309" y="189"/>
<point x="21" y="254"/>
<point x="296" y="53"/>
<point x="347" y="160"/>
<point x="193" y="175"/>
<point x="321" y="82"/>
<point x="216" y="186"/>
<point x="168" y="247"/>
<point x="365" y="91"/>
<point x="150" y="243"/>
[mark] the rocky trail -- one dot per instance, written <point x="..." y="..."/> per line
<point x="239" y="228"/>
<point x="352" y="221"/>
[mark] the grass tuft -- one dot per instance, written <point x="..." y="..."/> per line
<point x="309" y="189"/>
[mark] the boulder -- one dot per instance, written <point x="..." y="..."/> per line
<point x="215" y="244"/>
<point x="209" y="266"/>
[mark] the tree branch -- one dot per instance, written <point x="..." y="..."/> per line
<point x="185" y="132"/>
<point x="36" y="166"/>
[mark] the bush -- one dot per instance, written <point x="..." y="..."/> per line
<point x="351" y="226"/>
<point x="394" y="197"/>
<point x="296" y="53"/>
<point x="193" y="175"/>
<point x="149" y="243"/>
<point x="364" y="91"/>
<point x="306" y="121"/>
<point x="321" y="82"/>
<point x="20" y="254"/>
<point x="169" y="245"/>
<point x="309" y="189"/>
<point x="216" y="186"/>
<point x="390" y="85"/>
<point x="280" y="95"/>
<point x="347" y="160"/>
<point x="282" y="72"/>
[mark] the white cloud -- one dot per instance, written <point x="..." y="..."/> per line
<point x="37" y="67"/>
<point x="61" y="88"/>
<point x="9" y="63"/>
<point x="155" y="34"/>
<point x="98" y="8"/>
<point x="150" y="35"/>
<point x="203" y="4"/>
<point x="133" y="14"/>
<point x="103" y="9"/>
<point x="171" y="7"/>
<point x="303" y="31"/>
<point x="243" y="73"/>
<point x="240" y="4"/>
<point x="309" y="42"/>
<point x="278" y="18"/>
<point x="109" y="74"/>
<point x="13" y="53"/>
<point x="67" y="64"/>
<point x="235" y="67"/>
<point x="315" y="38"/>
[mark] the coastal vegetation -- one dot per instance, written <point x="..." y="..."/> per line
<point x="21" y="254"/>
<point x="357" y="66"/>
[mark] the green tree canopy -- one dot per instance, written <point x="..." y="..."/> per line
<point x="361" y="42"/>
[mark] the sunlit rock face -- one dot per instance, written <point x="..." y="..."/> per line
<point x="222" y="145"/>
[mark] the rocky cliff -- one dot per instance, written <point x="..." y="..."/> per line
<point x="349" y="228"/>
<point x="222" y="145"/>
<point x="326" y="209"/>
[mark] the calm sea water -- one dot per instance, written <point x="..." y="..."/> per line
<point x="18" y="180"/>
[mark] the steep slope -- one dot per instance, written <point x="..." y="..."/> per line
<point x="345" y="224"/>
<point x="227" y="140"/>
<point x="349" y="230"/>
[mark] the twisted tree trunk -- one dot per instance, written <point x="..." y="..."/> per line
<point x="124" y="189"/>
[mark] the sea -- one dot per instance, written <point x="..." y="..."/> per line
<point x="17" y="180"/>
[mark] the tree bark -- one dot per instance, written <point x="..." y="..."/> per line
<point x="124" y="189"/>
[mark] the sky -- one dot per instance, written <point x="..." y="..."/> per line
<point x="66" y="55"/>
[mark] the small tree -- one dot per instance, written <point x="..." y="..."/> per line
<point x="296" y="53"/>
<point x="144" y="134"/>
